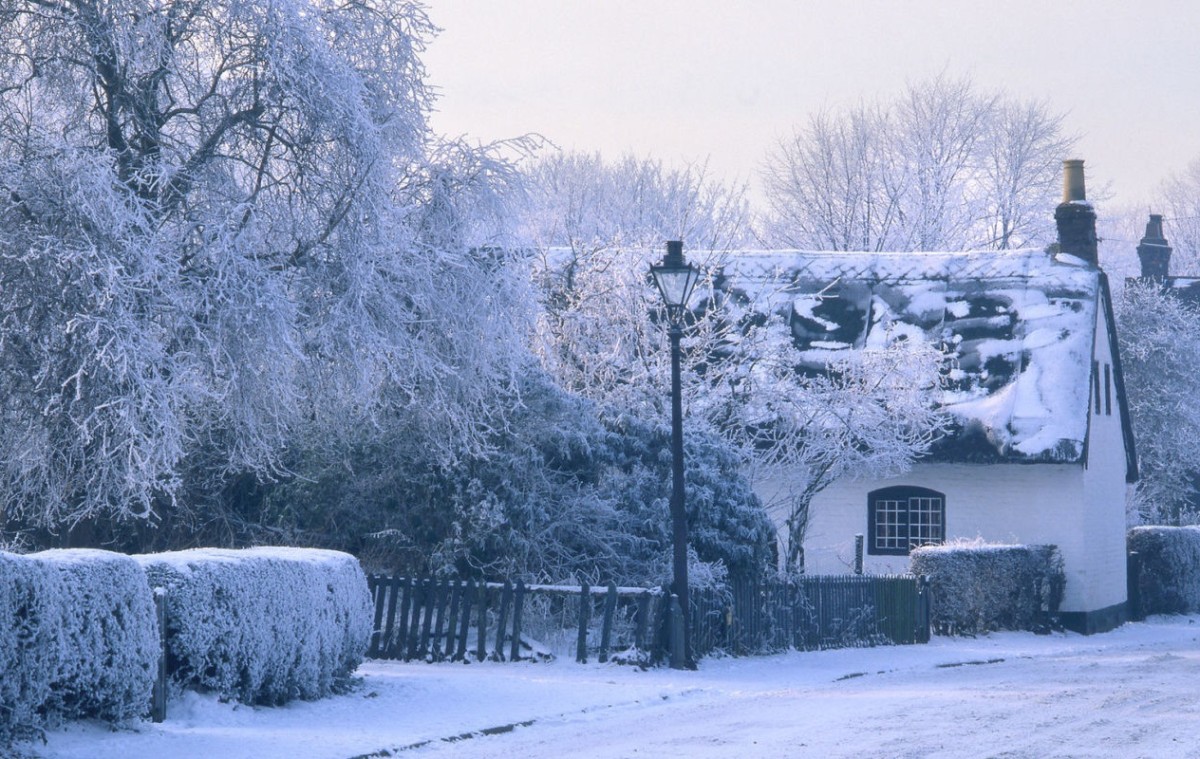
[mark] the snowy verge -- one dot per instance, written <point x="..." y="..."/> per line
<point x="262" y="625"/>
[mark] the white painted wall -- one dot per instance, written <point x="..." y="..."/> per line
<point x="1105" y="491"/>
<point x="1000" y="503"/>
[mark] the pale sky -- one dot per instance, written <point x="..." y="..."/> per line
<point x="724" y="80"/>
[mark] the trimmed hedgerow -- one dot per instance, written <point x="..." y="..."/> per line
<point x="30" y="642"/>
<point x="263" y="625"/>
<point x="1169" y="578"/>
<point x="77" y="639"/>
<point x="109" y="635"/>
<point x="977" y="588"/>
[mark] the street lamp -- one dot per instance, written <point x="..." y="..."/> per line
<point x="676" y="279"/>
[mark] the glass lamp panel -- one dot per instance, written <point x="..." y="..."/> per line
<point x="676" y="284"/>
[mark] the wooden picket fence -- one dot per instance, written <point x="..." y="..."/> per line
<point x="812" y="612"/>
<point x="452" y="620"/>
<point x="423" y="619"/>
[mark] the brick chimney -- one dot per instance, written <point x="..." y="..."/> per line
<point x="1074" y="217"/>
<point x="1154" y="251"/>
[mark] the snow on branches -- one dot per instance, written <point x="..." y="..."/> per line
<point x="224" y="227"/>
<point x="940" y="167"/>
<point x="1159" y="334"/>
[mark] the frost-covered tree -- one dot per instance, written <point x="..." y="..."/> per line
<point x="1180" y="198"/>
<point x="564" y="496"/>
<point x="226" y="229"/>
<point x="871" y="414"/>
<point x="596" y="227"/>
<point x="599" y="336"/>
<point x="941" y="167"/>
<point x="1160" y="350"/>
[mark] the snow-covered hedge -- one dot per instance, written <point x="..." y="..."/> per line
<point x="110" y="643"/>
<point x="1168" y="581"/>
<point x="978" y="587"/>
<point x="77" y="638"/>
<point x="263" y="625"/>
<point x="29" y="643"/>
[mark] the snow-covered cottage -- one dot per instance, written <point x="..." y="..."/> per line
<point x="1041" y="450"/>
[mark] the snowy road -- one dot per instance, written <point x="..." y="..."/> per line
<point x="1134" y="692"/>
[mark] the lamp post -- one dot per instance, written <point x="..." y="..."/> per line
<point x="676" y="279"/>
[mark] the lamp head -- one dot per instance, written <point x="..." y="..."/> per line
<point x="676" y="278"/>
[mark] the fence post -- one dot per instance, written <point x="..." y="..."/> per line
<point x="643" y="623"/>
<point x="675" y="625"/>
<point x="389" y="588"/>
<point x="437" y="642"/>
<point x="481" y="639"/>
<point x="1133" y="583"/>
<point x="610" y="608"/>
<point x="413" y="642"/>
<point x="455" y="596"/>
<point x="518" y="606"/>
<point x="502" y="620"/>
<point x="407" y="587"/>
<point x="924" y="613"/>
<point x="158" y="696"/>
<point x="858" y="554"/>
<point x="464" y="629"/>
<point x="585" y="613"/>
<point x="373" y="586"/>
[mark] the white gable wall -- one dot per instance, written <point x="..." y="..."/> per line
<point x="1104" y="487"/>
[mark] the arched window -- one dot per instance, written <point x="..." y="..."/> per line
<point x="903" y="517"/>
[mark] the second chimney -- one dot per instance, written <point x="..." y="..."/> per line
<point x="1074" y="217"/>
<point x="1154" y="251"/>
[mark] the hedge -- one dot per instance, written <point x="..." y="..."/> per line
<point x="262" y="625"/>
<point x="77" y="638"/>
<point x="109" y="635"/>
<point x="977" y="588"/>
<point x="1168" y="581"/>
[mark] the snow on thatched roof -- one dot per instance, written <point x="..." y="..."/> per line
<point x="1018" y="327"/>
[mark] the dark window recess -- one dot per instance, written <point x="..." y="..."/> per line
<point x="1096" y="384"/>
<point x="1107" y="390"/>
<point x="904" y="517"/>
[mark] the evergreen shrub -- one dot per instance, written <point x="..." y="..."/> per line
<point x="1168" y="581"/>
<point x="979" y="587"/>
<point x="263" y="625"/>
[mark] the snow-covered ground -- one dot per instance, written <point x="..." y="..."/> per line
<point x="1133" y="692"/>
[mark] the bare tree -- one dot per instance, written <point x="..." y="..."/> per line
<point x="1020" y="173"/>
<point x="832" y="186"/>
<point x="869" y="414"/>
<point x="596" y="227"/>
<point x="1180" y="198"/>
<point x="942" y="167"/>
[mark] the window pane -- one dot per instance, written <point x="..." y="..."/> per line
<point x="891" y="524"/>
<point x="925" y="520"/>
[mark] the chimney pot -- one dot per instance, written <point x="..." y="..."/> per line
<point x="1073" y="187"/>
